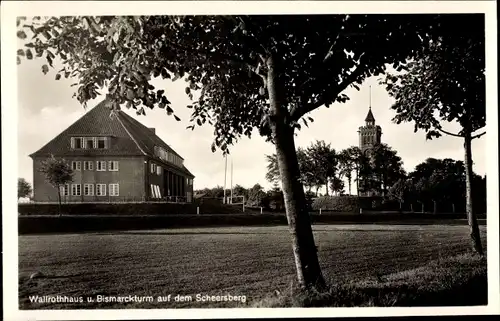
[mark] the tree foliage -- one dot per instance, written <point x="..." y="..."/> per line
<point x="121" y="54"/>
<point x="317" y="165"/>
<point x="324" y="160"/>
<point x="439" y="182"/>
<point x="346" y="166"/>
<point x="23" y="188"/>
<point x="387" y="168"/>
<point x="57" y="171"/>
<point x="445" y="82"/>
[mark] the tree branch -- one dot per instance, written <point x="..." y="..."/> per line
<point x="478" y="135"/>
<point x="332" y="93"/>
<point x="448" y="133"/>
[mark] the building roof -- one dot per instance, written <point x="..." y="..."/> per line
<point x="129" y="137"/>
<point x="370" y="117"/>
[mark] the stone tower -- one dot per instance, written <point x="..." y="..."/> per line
<point x="370" y="134"/>
<point x="369" y="137"/>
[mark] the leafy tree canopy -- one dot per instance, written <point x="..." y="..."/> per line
<point x="57" y="171"/>
<point x="223" y="60"/>
<point x="445" y="82"/>
<point x="23" y="188"/>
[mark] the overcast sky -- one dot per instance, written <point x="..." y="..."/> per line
<point x="46" y="108"/>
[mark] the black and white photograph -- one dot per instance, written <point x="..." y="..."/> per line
<point x="212" y="159"/>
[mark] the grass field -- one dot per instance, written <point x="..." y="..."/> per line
<point x="250" y="261"/>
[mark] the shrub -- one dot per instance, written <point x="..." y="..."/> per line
<point x="336" y="203"/>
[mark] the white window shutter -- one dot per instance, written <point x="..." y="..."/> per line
<point x="72" y="142"/>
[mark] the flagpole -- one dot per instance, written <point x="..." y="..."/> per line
<point x="231" y="201"/>
<point x="225" y="173"/>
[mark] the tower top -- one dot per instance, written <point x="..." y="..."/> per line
<point x="369" y="117"/>
<point x="370" y="120"/>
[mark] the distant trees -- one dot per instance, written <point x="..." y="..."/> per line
<point x="317" y="166"/>
<point x="438" y="185"/>
<point x="321" y="166"/>
<point x="346" y="165"/>
<point x="23" y="188"/>
<point x="57" y="173"/>
<point x="255" y="196"/>
<point x="324" y="160"/>
<point x="387" y="168"/>
<point x="357" y="159"/>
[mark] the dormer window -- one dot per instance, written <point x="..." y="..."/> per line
<point x="77" y="142"/>
<point x="89" y="142"/>
<point x="101" y="142"/>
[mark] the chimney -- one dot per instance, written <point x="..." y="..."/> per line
<point x="153" y="130"/>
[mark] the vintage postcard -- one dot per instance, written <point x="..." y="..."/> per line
<point x="182" y="159"/>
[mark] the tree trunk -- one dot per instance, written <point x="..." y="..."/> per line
<point x="471" y="216"/>
<point x="349" y="182"/>
<point x="453" y="207"/>
<point x="59" y="199"/>
<point x="411" y="207"/>
<point x="326" y="187"/>
<point x="435" y="207"/>
<point x="304" y="249"/>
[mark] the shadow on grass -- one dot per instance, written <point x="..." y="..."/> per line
<point x="473" y="292"/>
<point x="456" y="281"/>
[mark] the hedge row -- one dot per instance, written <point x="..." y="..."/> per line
<point x="127" y="209"/>
<point x="72" y="224"/>
<point x="353" y="204"/>
<point x="347" y="203"/>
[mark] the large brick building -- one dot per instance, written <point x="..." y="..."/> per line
<point x="114" y="158"/>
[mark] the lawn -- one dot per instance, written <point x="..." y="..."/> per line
<point x="249" y="261"/>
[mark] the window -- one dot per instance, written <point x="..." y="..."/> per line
<point x="114" y="189"/>
<point x="89" y="142"/>
<point x="101" y="166"/>
<point x="76" y="142"/>
<point x="113" y="166"/>
<point x="76" y="165"/>
<point x="153" y="168"/>
<point x="76" y="190"/>
<point x="88" y="189"/>
<point x="100" y="189"/>
<point x="155" y="191"/>
<point x="88" y="166"/>
<point x="158" y="170"/>
<point x="64" y="190"/>
<point x="101" y="142"/>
